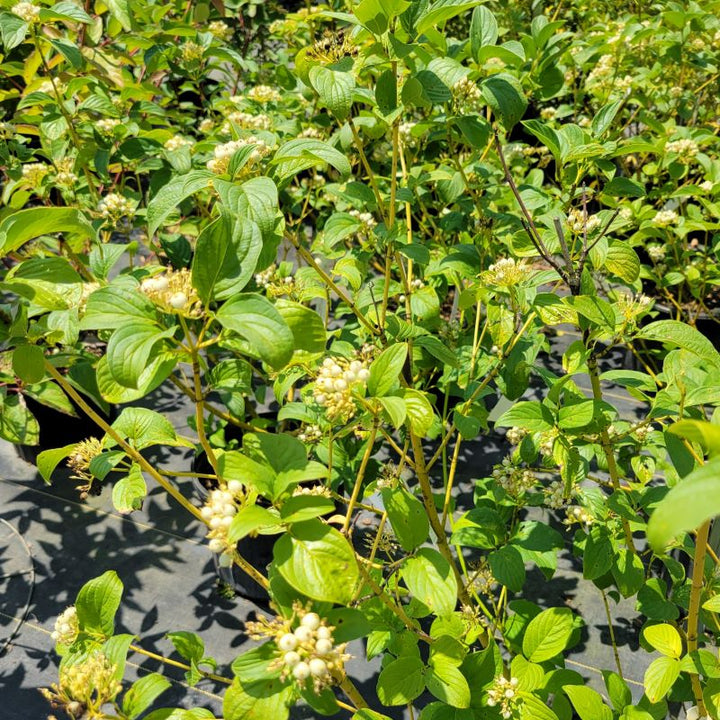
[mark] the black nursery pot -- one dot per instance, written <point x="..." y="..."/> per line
<point x="258" y="551"/>
<point x="58" y="429"/>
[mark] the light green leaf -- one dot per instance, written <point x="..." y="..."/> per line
<point x="17" y="423"/>
<point x="705" y="433"/>
<point x="130" y="350"/>
<point x="317" y="561"/>
<point x="48" y="460"/>
<point x="25" y="225"/>
<point x="588" y="703"/>
<point x="334" y="88"/>
<point x="97" y="602"/>
<point x="110" y="307"/>
<point x="407" y="516"/>
<point x="445" y="681"/>
<point x="401" y="681"/>
<point x="420" y="413"/>
<point x="430" y="579"/>
<point x="145" y="427"/>
<point x="505" y="96"/>
<point x="531" y="415"/>
<point x="303" y="153"/>
<point x="604" y="117"/>
<point x="171" y="195"/>
<point x="258" y="700"/>
<point x="674" y="332"/>
<point x="257" y="320"/>
<point x="441" y="11"/>
<point x="386" y="368"/>
<point x="28" y="362"/>
<point x="548" y="634"/>
<point x="660" y="677"/>
<point x="13" y="31"/>
<point x="665" y="639"/>
<point x="307" y="327"/>
<point x="695" y="499"/>
<point x="483" y="29"/>
<point x="129" y="492"/>
<point x="121" y="11"/>
<point x="623" y="262"/>
<point x="142" y="693"/>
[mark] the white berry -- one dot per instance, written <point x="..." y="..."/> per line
<point x="323" y="647"/>
<point x="318" y="668"/>
<point x="291" y="659"/>
<point x="303" y="633"/>
<point x="301" y="671"/>
<point x="178" y="300"/>
<point x="288" y="642"/>
<point x="311" y="620"/>
<point x="323" y="633"/>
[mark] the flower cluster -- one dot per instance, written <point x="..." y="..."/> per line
<point x="482" y="579"/>
<point x="310" y="434"/>
<point x="503" y="694"/>
<point x="405" y="131"/>
<point x="308" y="652"/>
<point x="273" y="282"/>
<point x="665" y="218"/>
<point x="106" y="126"/>
<point x="79" y="462"/>
<point x="642" y="432"/>
<point x="218" y="512"/>
<point x="547" y="442"/>
<point x="515" y="435"/>
<point x="34" y="173"/>
<point x="684" y="148"/>
<point x="656" y="252"/>
<point x="506" y="272"/>
<point x="555" y="495"/>
<point x="173" y="292"/>
<point x="603" y="77"/>
<point x="223" y="153"/>
<point x="389" y="477"/>
<point x="88" y="683"/>
<point x="26" y="11"/>
<point x="220" y="30"/>
<point x="514" y="480"/>
<point x="313" y="490"/>
<point x="578" y="223"/>
<point x="264" y="94"/>
<point x="335" y="383"/>
<point x="245" y="120"/>
<point x="176" y="142"/>
<point x="467" y="96"/>
<point x="367" y="223"/>
<point x="65" y="177"/>
<point x="578" y="514"/>
<point x="332" y="47"/>
<point x="114" y="207"/>
<point x="191" y="52"/>
<point x="632" y="306"/>
<point x="66" y="627"/>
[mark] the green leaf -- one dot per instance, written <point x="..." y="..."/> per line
<point x="121" y="11"/>
<point x="70" y="52"/>
<point x="259" y="700"/>
<point x="430" y="579"/>
<point x="660" y="677"/>
<point x="445" y="681"/>
<point x="504" y="94"/>
<point x="401" y="681"/>
<point x="628" y="572"/>
<point x="225" y="258"/>
<point x="674" y="332"/>
<point x="442" y="10"/>
<point x="604" y="117"/>
<point x="624" y="187"/>
<point x="13" y="30"/>
<point x="665" y="639"/>
<point x="533" y="708"/>
<point x="129" y="492"/>
<point x="25" y="225"/>
<point x="622" y="261"/>
<point x="386" y="92"/>
<point x="317" y="561"/>
<point x="597" y="311"/>
<point x="407" y="516"/>
<point x="110" y="307"/>
<point x="695" y="499"/>
<point x="145" y="427"/>
<point x="334" y="88"/>
<point x="307" y="328"/>
<point x="546" y="135"/>
<point x="17" y="423"/>
<point x="531" y="415"/>
<point x="172" y="194"/>
<point x="548" y="634"/>
<point x="508" y="567"/>
<point x="143" y="693"/>
<point x="303" y="153"/>
<point x="483" y="29"/>
<point x="395" y="409"/>
<point x="130" y="350"/>
<point x="257" y="320"/>
<point x="305" y="507"/>
<point x="66" y="11"/>
<point x="588" y="703"/>
<point x="48" y="460"/>
<point x="598" y="554"/>
<point x="419" y="411"/>
<point x="97" y="602"/>
<point x="704" y="433"/>
<point x="386" y="368"/>
<point x="28" y="362"/>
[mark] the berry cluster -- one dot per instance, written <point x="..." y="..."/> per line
<point x="507" y="272"/>
<point x="503" y="693"/>
<point x="335" y="383"/>
<point x="514" y="480"/>
<point x="218" y="512"/>
<point x="223" y="153"/>
<point x="173" y="292"/>
<point x="114" y="207"/>
<point x="579" y="224"/>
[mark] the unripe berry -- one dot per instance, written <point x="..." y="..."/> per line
<point x="318" y="668"/>
<point x="216" y="545"/>
<point x="323" y="647"/>
<point x="323" y="633"/>
<point x="301" y="671"/>
<point x="206" y="512"/>
<point x="161" y="283"/>
<point x="235" y="487"/>
<point x="303" y="633"/>
<point x="363" y="374"/>
<point x="291" y="659"/>
<point x="178" y="300"/>
<point x="311" y="620"/>
<point x="288" y="642"/>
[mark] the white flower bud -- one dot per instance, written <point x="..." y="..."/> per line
<point x="301" y="671"/>
<point x="287" y="642"/>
